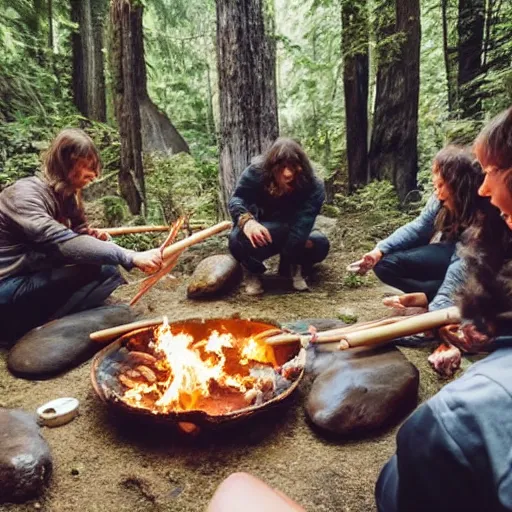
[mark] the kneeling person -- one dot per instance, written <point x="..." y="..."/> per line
<point x="274" y="207"/>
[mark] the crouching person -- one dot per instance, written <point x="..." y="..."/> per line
<point x="274" y="207"/>
<point x="51" y="263"/>
<point x="454" y="452"/>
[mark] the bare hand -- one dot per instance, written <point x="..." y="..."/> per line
<point x="408" y="304"/>
<point x="369" y="260"/>
<point x="100" y="235"/>
<point x="148" y="261"/>
<point x="258" y="234"/>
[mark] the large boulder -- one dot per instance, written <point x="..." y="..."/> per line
<point x="25" y="459"/>
<point x="64" y="343"/>
<point x="361" y="390"/>
<point x="213" y="276"/>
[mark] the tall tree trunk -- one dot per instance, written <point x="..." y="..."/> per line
<point x="158" y="133"/>
<point x="88" y="71"/>
<point x="449" y="59"/>
<point x="393" y="151"/>
<point x="355" y="80"/>
<point x="246" y="59"/>
<point x="124" y="16"/>
<point x="471" y="38"/>
<point x="50" y="25"/>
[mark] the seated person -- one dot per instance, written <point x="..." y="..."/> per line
<point x="274" y="207"/>
<point x="420" y="256"/>
<point x="454" y="452"/>
<point x="51" y="263"/>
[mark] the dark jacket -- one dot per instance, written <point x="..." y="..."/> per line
<point x="298" y="209"/>
<point x="38" y="226"/>
<point x="455" y="452"/>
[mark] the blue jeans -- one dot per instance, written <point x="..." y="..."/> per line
<point x="27" y="301"/>
<point x="421" y="269"/>
<point x="252" y="258"/>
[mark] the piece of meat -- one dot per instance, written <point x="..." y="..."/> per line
<point x="446" y="359"/>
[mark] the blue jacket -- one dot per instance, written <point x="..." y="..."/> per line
<point x="298" y="209"/>
<point x="417" y="233"/>
<point x="454" y="454"/>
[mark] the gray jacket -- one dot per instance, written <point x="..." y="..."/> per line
<point x="417" y="233"/>
<point x="39" y="227"/>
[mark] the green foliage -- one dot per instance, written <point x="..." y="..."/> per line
<point x="180" y="57"/>
<point x="114" y="210"/>
<point x="353" y="281"/>
<point x="180" y="185"/>
<point x="348" y="316"/>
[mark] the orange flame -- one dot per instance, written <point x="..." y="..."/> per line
<point x="194" y="368"/>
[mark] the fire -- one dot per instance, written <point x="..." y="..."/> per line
<point x="202" y="374"/>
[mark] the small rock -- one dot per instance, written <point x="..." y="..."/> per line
<point x="362" y="390"/>
<point x="326" y="225"/>
<point x="25" y="459"/>
<point x="213" y="276"/>
<point x="63" y="344"/>
<point x="37" y="505"/>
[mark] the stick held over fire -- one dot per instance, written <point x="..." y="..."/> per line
<point x="376" y="332"/>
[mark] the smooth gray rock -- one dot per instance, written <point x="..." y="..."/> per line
<point x="361" y="390"/>
<point x="25" y="459"/>
<point x="64" y="343"/>
<point x="213" y="276"/>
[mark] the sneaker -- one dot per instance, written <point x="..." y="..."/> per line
<point x="253" y="284"/>
<point x="298" y="281"/>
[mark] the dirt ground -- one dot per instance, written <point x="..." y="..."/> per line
<point x="103" y="463"/>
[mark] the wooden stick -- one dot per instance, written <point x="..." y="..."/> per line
<point x="132" y="230"/>
<point x="153" y="279"/>
<point x="114" y="332"/>
<point x="196" y="238"/>
<point x="332" y="334"/>
<point x="408" y="326"/>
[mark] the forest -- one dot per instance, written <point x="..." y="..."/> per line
<point x="180" y="95"/>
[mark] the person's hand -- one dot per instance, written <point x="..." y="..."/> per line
<point x="100" y="235"/>
<point x="148" y="261"/>
<point x="407" y="304"/>
<point x="369" y="260"/>
<point x="96" y="233"/>
<point x="258" y="234"/>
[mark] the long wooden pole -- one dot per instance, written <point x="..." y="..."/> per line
<point x="332" y="334"/>
<point x="114" y="332"/>
<point x="132" y="230"/>
<point x="376" y="331"/>
<point x="408" y="326"/>
<point x="195" y="238"/>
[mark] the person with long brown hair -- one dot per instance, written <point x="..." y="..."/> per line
<point x="51" y="262"/>
<point x="274" y="207"/>
<point x="460" y="439"/>
<point x="421" y="256"/>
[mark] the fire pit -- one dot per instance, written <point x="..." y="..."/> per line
<point x="197" y="372"/>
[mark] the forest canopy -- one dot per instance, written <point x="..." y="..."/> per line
<point x="371" y="88"/>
